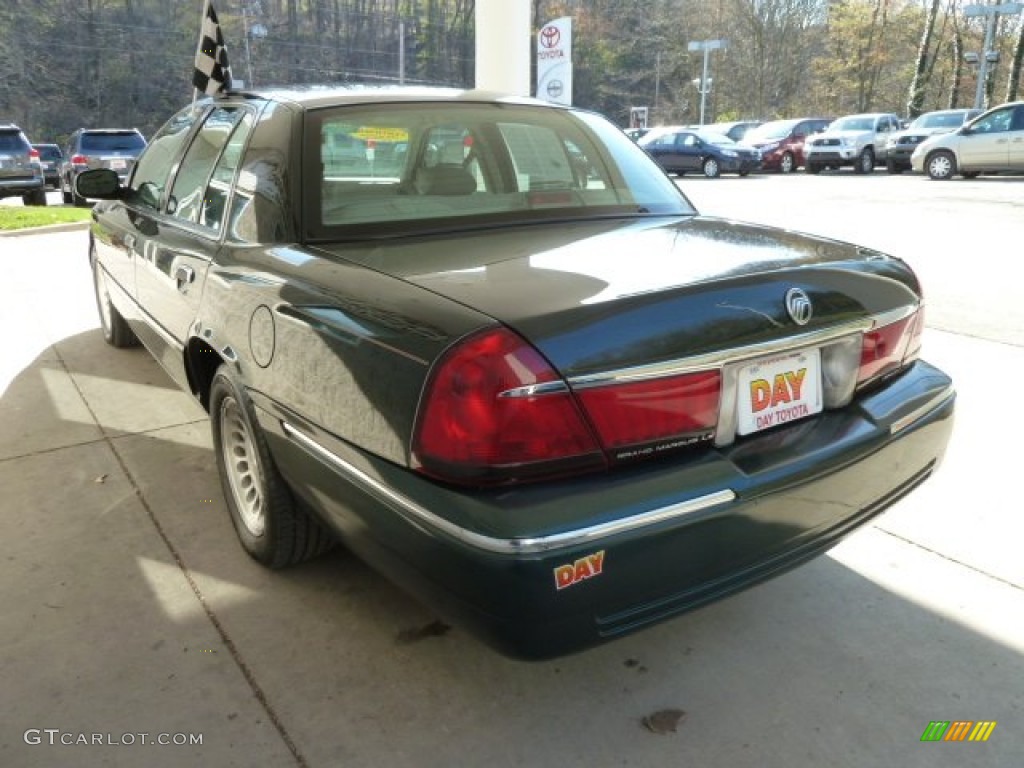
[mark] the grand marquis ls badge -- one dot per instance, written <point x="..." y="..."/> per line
<point x="798" y="304"/>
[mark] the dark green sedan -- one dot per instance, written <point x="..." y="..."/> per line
<point x="488" y="345"/>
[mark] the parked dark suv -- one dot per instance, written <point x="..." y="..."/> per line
<point x="50" y="157"/>
<point x="113" y="148"/>
<point x="21" y="174"/>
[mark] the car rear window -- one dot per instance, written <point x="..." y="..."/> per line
<point x="49" y="153"/>
<point x="107" y="142"/>
<point x="400" y="168"/>
<point x="12" y="141"/>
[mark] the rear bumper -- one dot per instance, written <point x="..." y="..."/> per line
<point x="549" y="569"/>
<point x="17" y="187"/>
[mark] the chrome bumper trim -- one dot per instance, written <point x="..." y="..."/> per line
<point x="418" y="515"/>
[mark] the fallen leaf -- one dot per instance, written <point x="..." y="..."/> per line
<point x="100" y="479"/>
<point x="663" y="721"/>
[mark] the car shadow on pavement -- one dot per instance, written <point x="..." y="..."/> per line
<point x="128" y="605"/>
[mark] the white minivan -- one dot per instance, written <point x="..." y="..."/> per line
<point x="990" y="143"/>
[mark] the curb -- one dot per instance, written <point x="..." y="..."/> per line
<point x="71" y="226"/>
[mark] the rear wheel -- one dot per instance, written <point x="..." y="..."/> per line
<point x="865" y="161"/>
<point x="941" y="165"/>
<point x="711" y="168"/>
<point x="35" y="197"/>
<point x="788" y="163"/>
<point x="116" y="331"/>
<point x="270" y="524"/>
<point x="893" y="167"/>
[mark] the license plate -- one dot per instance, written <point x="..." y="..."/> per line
<point x="118" y="165"/>
<point x="778" y="390"/>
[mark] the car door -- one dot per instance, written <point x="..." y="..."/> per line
<point x="171" y="271"/>
<point x="986" y="143"/>
<point x="1016" y="161"/>
<point x="665" y="151"/>
<point x="689" y="148"/>
<point x="127" y="228"/>
<point x="884" y="126"/>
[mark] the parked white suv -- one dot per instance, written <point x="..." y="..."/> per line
<point x="857" y="140"/>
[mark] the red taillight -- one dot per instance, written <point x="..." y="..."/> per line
<point x="79" y="160"/>
<point x="480" y="422"/>
<point x="885" y="349"/>
<point x="653" y="412"/>
<point x="33" y="153"/>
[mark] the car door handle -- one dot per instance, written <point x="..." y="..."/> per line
<point x="184" y="275"/>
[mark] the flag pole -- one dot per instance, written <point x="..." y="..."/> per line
<point x="199" y="44"/>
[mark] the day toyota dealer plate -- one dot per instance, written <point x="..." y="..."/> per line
<point x="778" y="391"/>
<point x="488" y="345"/>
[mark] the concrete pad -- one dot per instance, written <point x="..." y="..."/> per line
<point x="843" y="662"/>
<point x="126" y="389"/>
<point x="42" y="409"/>
<point x="970" y="511"/>
<point x="89" y="645"/>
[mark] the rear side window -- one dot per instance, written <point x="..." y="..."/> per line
<point x="112" y="142"/>
<point x="186" y="199"/>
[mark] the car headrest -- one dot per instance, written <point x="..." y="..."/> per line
<point x="445" y="179"/>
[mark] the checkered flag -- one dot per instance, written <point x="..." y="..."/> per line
<point x="212" y="74"/>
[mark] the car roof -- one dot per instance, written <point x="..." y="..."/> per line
<point x="315" y="96"/>
<point x="108" y="130"/>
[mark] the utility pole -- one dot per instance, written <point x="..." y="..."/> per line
<point x="988" y="56"/>
<point x="705" y="82"/>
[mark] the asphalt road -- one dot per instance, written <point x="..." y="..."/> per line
<point x="127" y="607"/>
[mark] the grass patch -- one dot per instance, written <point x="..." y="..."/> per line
<point x="25" y="217"/>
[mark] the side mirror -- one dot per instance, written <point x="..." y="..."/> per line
<point x="99" y="184"/>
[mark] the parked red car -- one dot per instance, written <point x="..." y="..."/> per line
<point x="782" y="141"/>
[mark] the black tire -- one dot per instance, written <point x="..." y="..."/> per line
<point x="893" y="167"/>
<point x="812" y="168"/>
<point x="940" y="165"/>
<point x="271" y="526"/>
<point x="787" y="164"/>
<point x="711" y="168"/>
<point x="65" y="194"/>
<point x="865" y="161"/>
<point x="116" y="331"/>
<point x="35" y="197"/>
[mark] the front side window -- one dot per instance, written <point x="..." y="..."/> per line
<point x="996" y="122"/>
<point x="407" y="167"/>
<point x="149" y="181"/>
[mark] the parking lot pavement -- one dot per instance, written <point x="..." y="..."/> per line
<point x="127" y="607"/>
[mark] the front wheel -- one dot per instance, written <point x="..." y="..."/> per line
<point x="116" y="331"/>
<point x="711" y="168"/>
<point x="941" y="166"/>
<point x="865" y="161"/>
<point x="788" y="163"/>
<point x="271" y="526"/>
